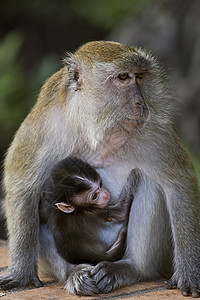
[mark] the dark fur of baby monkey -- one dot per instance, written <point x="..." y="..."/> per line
<point x="77" y="206"/>
<point x="110" y="105"/>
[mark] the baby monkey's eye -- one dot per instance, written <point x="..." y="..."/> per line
<point x="139" y="76"/>
<point x="95" y="196"/>
<point x="100" y="184"/>
<point x="123" y="76"/>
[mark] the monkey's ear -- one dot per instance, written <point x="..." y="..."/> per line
<point x="74" y="72"/>
<point x="65" y="207"/>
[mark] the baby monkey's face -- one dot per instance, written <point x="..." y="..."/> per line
<point x="99" y="195"/>
<point x="95" y="194"/>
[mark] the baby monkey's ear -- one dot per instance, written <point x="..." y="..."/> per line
<point x="65" y="207"/>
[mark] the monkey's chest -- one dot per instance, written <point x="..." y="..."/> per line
<point x="115" y="176"/>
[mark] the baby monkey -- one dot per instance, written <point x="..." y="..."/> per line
<point x="76" y="206"/>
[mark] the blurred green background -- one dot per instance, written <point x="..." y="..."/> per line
<point x="35" y="35"/>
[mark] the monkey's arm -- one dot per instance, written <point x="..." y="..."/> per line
<point x="120" y="241"/>
<point x="23" y="268"/>
<point x="27" y="164"/>
<point x="183" y="203"/>
<point x="120" y="211"/>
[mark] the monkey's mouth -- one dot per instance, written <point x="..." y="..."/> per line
<point x="135" y="122"/>
<point x="130" y="124"/>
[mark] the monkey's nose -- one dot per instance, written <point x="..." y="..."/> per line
<point x="139" y="101"/>
<point x="106" y="195"/>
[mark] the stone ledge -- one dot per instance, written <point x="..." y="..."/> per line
<point x="54" y="291"/>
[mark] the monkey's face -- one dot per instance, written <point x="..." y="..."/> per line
<point x="131" y="110"/>
<point x="99" y="195"/>
<point x="117" y="108"/>
<point x="95" y="195"/>
<point x="89" y="191"/>
<point x="116" y="90"/>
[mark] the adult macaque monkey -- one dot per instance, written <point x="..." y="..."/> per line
<point x="110" y="105"/>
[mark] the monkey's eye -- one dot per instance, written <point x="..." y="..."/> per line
<point x="139" y="76"/>
<point x="100" y="184"/>
<point x="123" y="76"/>
<point x="95" y="196"/>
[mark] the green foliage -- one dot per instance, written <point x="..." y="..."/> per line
<point x="102" y="13"/>
<point x="10" y="77"/>
<point x="106" y="13"/>
<point x="18" y="87"/>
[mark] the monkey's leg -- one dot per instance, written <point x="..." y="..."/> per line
<point x="23" y="247"/>
<point x="148" y="247"/>
<point x="50" y="262"/>
<point x="182" y="199"/>
<point x="185" y="218"/>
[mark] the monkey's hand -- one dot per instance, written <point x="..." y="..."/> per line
<point x="12" y="279"/>
<point x="191" y="286"/>
<point x="80" y="281"/>
<point x="113" y="275"/>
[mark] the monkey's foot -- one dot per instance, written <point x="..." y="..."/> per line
<point x="187" y="287"/>
<point x="80" y="281"/>
<point x="11" y="280"/>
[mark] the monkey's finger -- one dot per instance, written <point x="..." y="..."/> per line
<point x="186" y="291"/>
<point x="4" y="282"/>
<point x="171" y="285"/>
<point x="10" y="284"/>
<point x="37" y="282"/>
<point x="104" y="276"/>
<point x="7" y="284"/>
<point x="80" y="281"/>
<point x="196" y="293"/>
<point x="106" y="283"/>
<point x="78" y="286"/>
<point x="97" y="272"/>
